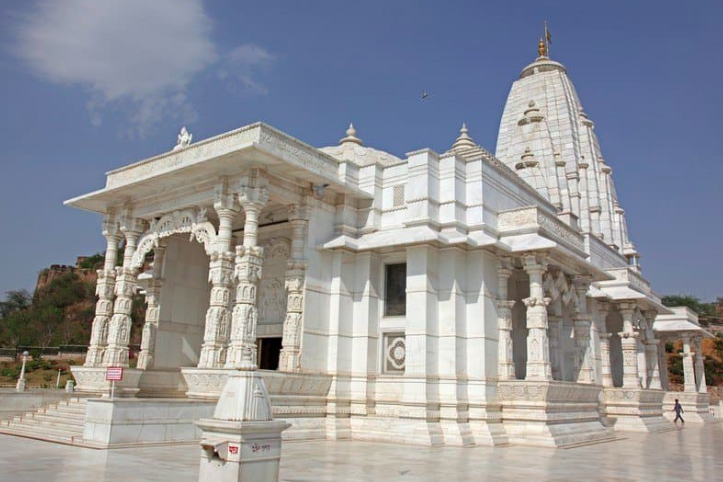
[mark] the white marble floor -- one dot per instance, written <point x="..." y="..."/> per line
<point x="683" y="455"/>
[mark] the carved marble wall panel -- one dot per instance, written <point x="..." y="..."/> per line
<point x="272" y="292"/>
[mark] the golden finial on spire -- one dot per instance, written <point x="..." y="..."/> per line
<point x="542" y="48"/>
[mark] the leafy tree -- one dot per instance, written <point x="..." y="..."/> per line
<point x="61" y="312"/>
<point x="718" y="345"/>
<point x="93" y="262"/>
<point x="692" y="302"/>
<point x="15" y="301"/>
<point x="18" y="329"/>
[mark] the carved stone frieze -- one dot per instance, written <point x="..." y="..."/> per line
<point x="547" y="391"/>
<point x="533" y="219"/>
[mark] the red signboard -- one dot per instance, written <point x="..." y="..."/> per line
<point x="114" y="374"/>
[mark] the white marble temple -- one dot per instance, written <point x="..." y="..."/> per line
<point x="458" y="298"/>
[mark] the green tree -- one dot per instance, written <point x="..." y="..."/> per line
<point x="15" y="301"/>
<point x="692" y="302"/>
<point x="718" y="345"/>
<point x="93" y="262"/>
<point x="18" y="329"/>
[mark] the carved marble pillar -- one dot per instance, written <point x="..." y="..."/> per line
<point x="688" y="369"/>
<point x="538" y="345"/>
<point x="220" y="275"/>
<point x="700" y="366"/>
<point x="651" y="352"/>
<point x="249" y="260"/>
<point x="506" y="360"/>
<point x="153" y="308"/>
<point x="603" y="308"/>
<point x="629" y="343"/>
<point x="290" y="357"/>
<point x="607" y="376"/>
<point x="583" y="324"/>
<point x="555" y="325"/>
<point x="105" y="290"/>
<point x="119" y="328"/>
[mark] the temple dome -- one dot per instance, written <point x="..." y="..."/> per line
<point x="351" y="149"/>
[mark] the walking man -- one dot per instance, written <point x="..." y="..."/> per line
<point x="678" y="409"/>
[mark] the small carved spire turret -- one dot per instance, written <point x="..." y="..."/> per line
<point x="527" y="159"/>
<point x="531" y="114"/>
<point x="464" y="141"/>
<point x="351" y="136"/>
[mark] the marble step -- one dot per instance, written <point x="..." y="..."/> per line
<point x="69" y="410"/>
<point x="41" y="431"/>
<point x="53" y="424"/>
<point x="55" y="418"/>
<point x="39" y="436"/>
<point x="61" y="421"/>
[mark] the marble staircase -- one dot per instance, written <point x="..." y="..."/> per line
<point x="60" y="422"/>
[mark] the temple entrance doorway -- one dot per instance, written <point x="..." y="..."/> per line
<point x="269" y="351"/>
<point x="185" y="298"/>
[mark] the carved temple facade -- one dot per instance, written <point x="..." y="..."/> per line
<point x="455" y="298"/>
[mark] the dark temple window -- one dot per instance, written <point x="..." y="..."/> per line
<point x="395" y="296"/>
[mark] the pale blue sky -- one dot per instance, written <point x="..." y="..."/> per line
<point x="88" y="86"/>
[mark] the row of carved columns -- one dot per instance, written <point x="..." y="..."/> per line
<point x="693" y="364"/>
<point x="230" y="333"/>
<point x="641" y="362"/>
<point x="543" y="357"/>
<point x="644" y="358"/>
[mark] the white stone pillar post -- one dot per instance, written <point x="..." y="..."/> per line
<point x="555" y="326"/>
<point x="607" y="376"/>
<point x="700" y="366"/>
<point x="506" y="362"/>
<point x="153" y="308"/>
<point x="538" y="345"/>
<point x="583" y="324"/>
<point x="119" y="328"/>
<point x="220" y="274"/>
<point x="249" y="260"/>
<point x="629" y="342"/>
<point x="688" y="369"/>
<point x="603" y="308"/>
<point x="104" y="289"/>
<point x="290" y="357"/>
<point x="651" y="352"/>
<point x="651" y="357"/>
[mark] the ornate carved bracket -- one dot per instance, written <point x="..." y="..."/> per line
<point x="184" y="221"/>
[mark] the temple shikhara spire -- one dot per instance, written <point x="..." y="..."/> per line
<point x="434" y="298"/>
<point x="544" y="115"/>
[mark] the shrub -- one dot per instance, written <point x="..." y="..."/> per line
<point x="11" y="371"/>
